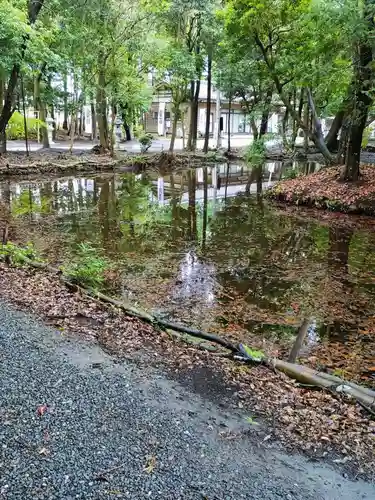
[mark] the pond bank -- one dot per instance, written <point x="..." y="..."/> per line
<point x="323" y="189"/>
<point x="305" y="420"/>
<point x="18" y="165"/>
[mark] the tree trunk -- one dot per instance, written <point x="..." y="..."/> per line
<point x="265" y="113"/>
<point x="343" y="143"/>
<point x="208" y="106"/>
<point x="193" y="125"/>
<point x="302" y="332"/>
<point x="331" y="138"/>
<point x="127" y="131"/>
<point x="306" y="120"/>
<point x="229" y="117"/>
<point x="315" y="137"/>
<point x="93" y="121"/>
<point x="363" y="74"/>
<point x="174" y="131"/>
<point x="254" y="128"/>
<point x="317" y="132"/>
<point x="2" y="136"/>
<point x="66" y="111"/>
<point x="285" y="129"/>
<point x="40" y="106"/>
<point x="101" y="102"/>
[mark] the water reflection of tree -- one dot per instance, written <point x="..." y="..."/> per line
<point x="273" y="261"/>
<point x="192" y="186"/>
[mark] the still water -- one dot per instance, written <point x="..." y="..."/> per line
<point x="202" y="246"/>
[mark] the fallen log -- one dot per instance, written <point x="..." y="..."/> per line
<point x="302" y="374"/>
<point x="306" y="375"/>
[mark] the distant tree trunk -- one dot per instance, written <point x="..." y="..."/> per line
<point x="229" y="117"/>
<point x="66" y="111"/>
<point x="1" y="91"/>
<point x="193" y="125"/>
<point x="40" y="106"/>
<point x="265" y="113"/>
<point x="254" y="128"/>
<point x="306" y="121"/>
<point x="93" y="120"/>
<point x="174" y="128"/>
<point x="285" y="129"/>
<point x="331" y="138"/>
<point x="314" y="136"/>
<point x="317" y="133"/>
<point x="208" y="106"/>
<point x="2" y="137"/>
<point x="54" y="130"/>
<point x="101" y="102"/>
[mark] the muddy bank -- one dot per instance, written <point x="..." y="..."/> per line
<point x="18" y="164"/>
<point x="323" y="189"/>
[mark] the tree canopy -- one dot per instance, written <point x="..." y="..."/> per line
<point x="307" y="59"/>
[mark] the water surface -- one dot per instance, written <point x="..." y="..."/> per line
<point x="203" y="247"/>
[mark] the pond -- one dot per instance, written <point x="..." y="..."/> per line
<point x="202" y="247"/>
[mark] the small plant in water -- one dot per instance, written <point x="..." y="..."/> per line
<point x="88" y="268"/>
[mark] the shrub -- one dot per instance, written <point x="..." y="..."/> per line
<point x="16" y="127"/>
<point x="145" y="141"/>
<point x="17" y="255"/>
<point x="290" y="173"/>
<point x="255" y="153"/>
<point x="88" y="268"/>
<point x="366" y="137"/>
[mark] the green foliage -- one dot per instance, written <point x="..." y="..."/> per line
<point x="87" y="268"/>
<point x="255" y="153"/>
<point x="252" y="354"/>
<point x="366" y="137"/>
<point x="18" y="255"/>
<point x="251" y="421"/>
<point x="145" y="141"/>
<point x="16" y="127"/>
<point x="290" y="173"/>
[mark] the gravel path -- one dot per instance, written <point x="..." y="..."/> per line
<point x="107" y="422"/>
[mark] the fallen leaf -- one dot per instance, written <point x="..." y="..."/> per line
<point x="150" y="464"/>
<point x="42" y="409"/>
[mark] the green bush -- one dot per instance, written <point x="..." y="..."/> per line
<point x="366" y="137"/>
<point x="17" y="255"/>
<point x="16" y="127"/>
<point x="145" y="141"/>
<point x="290" y="173"/>
<point x="88" y="268"/>
<point x="255" y="153"/>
